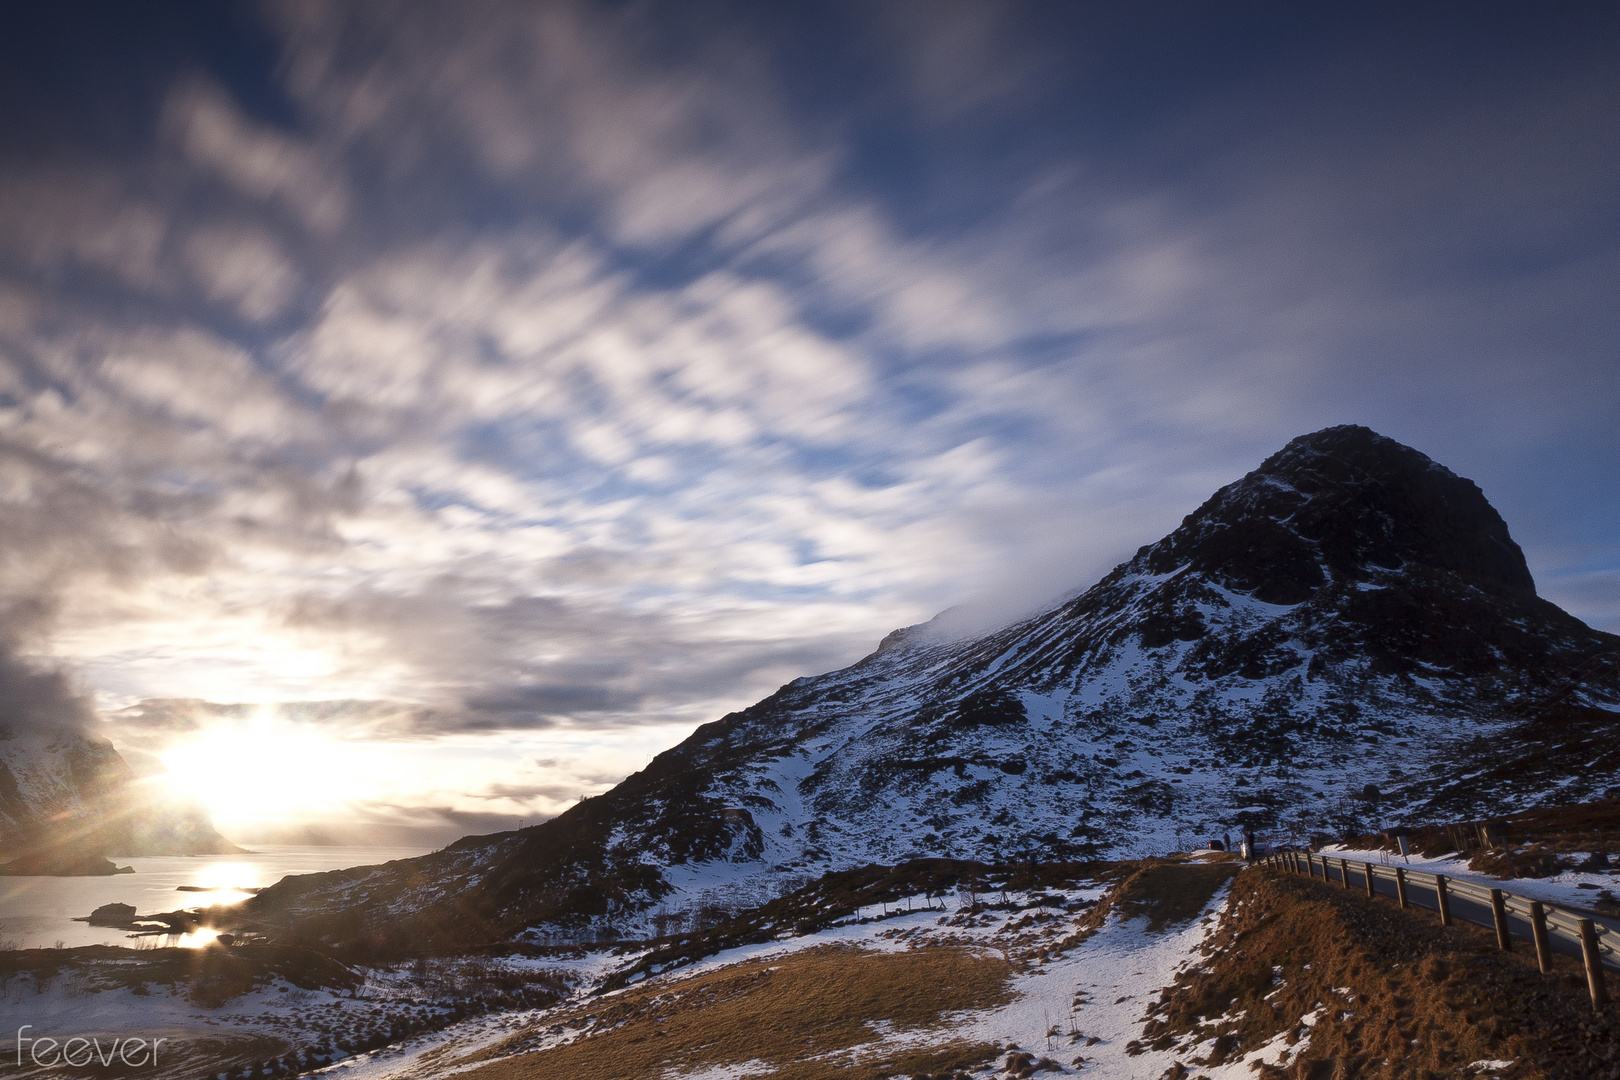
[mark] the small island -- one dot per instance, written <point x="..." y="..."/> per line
<point x="119" y="916"/>
<point x="52" y="863"/>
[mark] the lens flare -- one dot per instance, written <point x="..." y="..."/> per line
<point x="265" y="768"/>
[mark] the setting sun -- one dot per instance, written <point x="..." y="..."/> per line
<point x="265" y="768"/>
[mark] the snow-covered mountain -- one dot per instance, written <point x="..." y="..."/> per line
<point x="65" y="795"/>
<point x="50" y="775"/>
<point x="1346" y="636"/>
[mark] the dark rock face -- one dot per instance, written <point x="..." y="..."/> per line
<point x="115" y="915"/>
<point x="1345" y="503"/>
<point x="1385" y="555"/>
<point x="1350" y="615"/>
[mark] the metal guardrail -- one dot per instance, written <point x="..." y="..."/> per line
<point x="1550" y="928"/>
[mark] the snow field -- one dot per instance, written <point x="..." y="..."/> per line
<point x="1082" y="1008"/>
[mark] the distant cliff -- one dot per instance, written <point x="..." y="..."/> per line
<point x="67" y="798"/>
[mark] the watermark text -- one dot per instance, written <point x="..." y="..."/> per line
<point x="79" y="1052"/>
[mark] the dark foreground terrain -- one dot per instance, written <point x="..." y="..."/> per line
<point x="1177" y="968"/>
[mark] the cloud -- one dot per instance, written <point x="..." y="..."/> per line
<point x="960" y="57"/>
<point x="567" y="99"/>
<point x="243" y="267"/>
<point x="560" y="376"/>
<point x="38" y="699"/>
<point x="52" y="219"/>
<point x="259" y="162"/>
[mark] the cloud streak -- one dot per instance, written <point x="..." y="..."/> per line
<point x="562" y="376"/>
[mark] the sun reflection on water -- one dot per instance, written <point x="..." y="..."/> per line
<point x="195" y="939"/>
<point x="225" y="875"/>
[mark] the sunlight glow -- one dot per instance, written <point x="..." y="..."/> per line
<point x="274" y="777"/>
<point x="225" y="875"/>
<point x="199" y="938"/>
<point x="265" y="768"/>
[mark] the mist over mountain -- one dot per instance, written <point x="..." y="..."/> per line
<point x="66" y="795"/>
<point x="1347" y="636"/>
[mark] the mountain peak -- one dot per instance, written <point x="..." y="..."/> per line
<point x="1349" y="617"/>
<point x="1344" y="504"/>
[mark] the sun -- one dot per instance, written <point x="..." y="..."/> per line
<point x="265" y="768"/>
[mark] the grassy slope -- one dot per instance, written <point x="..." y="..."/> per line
<point x="1394" y="994"/>
<point x="842" y="1010"/>
<point x="772" y="1015"/>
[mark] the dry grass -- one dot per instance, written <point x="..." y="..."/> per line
<point x="806" y="1016"/>
<point x="1423" y="1000"/>
<point x="840" y="895"/>
<point x="1172" y="893"/>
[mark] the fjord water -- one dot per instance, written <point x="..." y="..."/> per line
<point x="38" y="912"/>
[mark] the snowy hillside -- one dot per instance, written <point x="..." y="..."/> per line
<point x="48" y="775"/>
<point x="65" y="790"/>
<point x="1340" y="638"/>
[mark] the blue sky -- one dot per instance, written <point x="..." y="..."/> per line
<point x="556" y="377"/>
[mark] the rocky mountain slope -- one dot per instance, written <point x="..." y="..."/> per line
<point x="67" y="797"/>
<point x="1344" y="637"/>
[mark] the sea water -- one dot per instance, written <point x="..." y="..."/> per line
<point x="39" y="912"/>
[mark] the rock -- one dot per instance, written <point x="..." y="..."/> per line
<point x="121" y="916"/>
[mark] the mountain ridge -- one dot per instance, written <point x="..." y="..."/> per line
<point x="67" y="798"/>
<point x="1326" y="643"/>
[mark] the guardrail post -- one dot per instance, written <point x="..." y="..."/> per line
<point x="1594" y="966"/>
<point x="1310" y="865"/>
<point x="1499" y="916"/>
<point x="1400" y="886"/>
<point x="1344" y="872"/>
<point x="1442" y="901"/>
<point x="1538" y="930"/>
<point x="1367" y="870"/>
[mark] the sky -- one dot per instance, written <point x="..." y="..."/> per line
<point x="416" y="416"/>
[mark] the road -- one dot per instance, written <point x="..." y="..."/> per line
<point x="1420" y="893"/>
